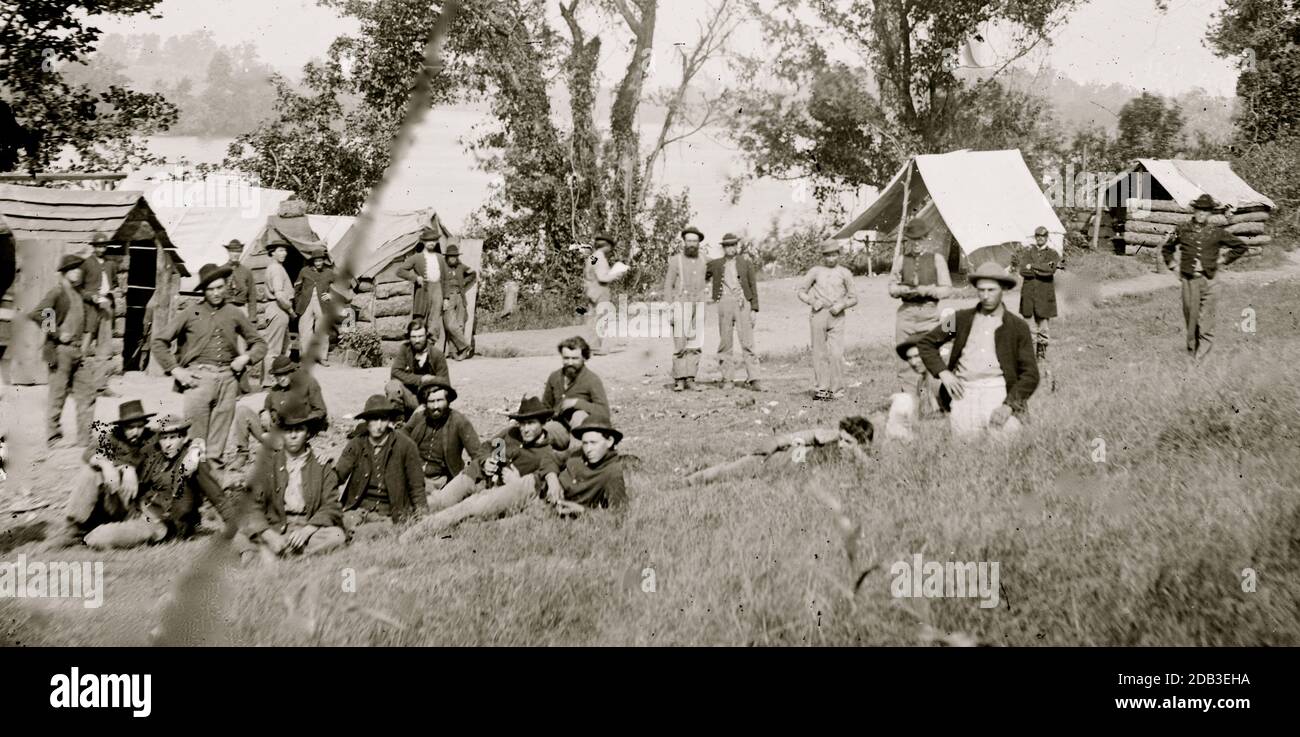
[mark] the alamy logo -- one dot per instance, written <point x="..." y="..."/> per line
<point x="78" y="690"/>
<point x="932" y="579"/>
<point x="53" y="580"/>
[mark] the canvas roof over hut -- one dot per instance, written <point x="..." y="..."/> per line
<point x="391" y="236"/>
<point x="331" y="228"/>
<point x="72" y="216"/>
<point x="202" y="215"/>
<point x="984" y="198"/>
<point x="1183" y="180"/>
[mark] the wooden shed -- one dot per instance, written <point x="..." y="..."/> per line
<point x="49" y="223"/>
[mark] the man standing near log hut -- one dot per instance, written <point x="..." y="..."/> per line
<point x="455" y="310"/>
<point x="280" y="289"/>
<point x="99" y="279"/>
<point x="241" y="289"/>
<point x="62" y="317"/>
<point x="424" y="269"/>
<point x="1201" y="247"/>
<point x="308" y="296"/>
<point x="1038" y="265"/>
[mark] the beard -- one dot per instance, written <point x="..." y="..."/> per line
<point x="691" y="251"/>
<point x="570" y="371"/>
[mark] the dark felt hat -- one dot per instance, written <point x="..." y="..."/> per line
<point x="293" y="413"/>
<point x="1205" y="202"/>
<point x="430" y="233"/>
<point x="235" y="245"/>
<point x="69" y="262"/>
<point x="171" y="424"/>
<point x="283" y="365"/>
<point x="452" y="250"/>
<point x="378" y="407"/>
<point x="604" y="237"/>
<point x="209" y="273"/>
<point x="451" y="393"/>
<point x="915" y="229"/>
<point x="597" y="422"/>
<point x="831" y="246"/>
<point x="98" y="237"/>
<point x="531" y="408"/>
<point x="1041" y="230"/>
<point x="131" y="410"/>
<point x="730" y="239"/>
<point x="907" y="343"/>
<point x="692" y="229"/>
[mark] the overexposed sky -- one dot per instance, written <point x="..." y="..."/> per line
<point x="1121" y="41"/>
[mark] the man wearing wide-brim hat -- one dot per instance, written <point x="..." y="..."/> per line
<point x="1203" y="247"/>
<point x="211" y="362"/>
<point x="311" y="293"/>
<point x="735" y="291"/>
<point x="587" y="477"/>
<point x="241" y="289"/>
<point x="446" y="438"/>
<point x="686" y="291"/>
<point x="919" y="278"/>
<point x="380" y="469"/>
<point x="62" y="316"/>
<point x="991" y="372"/>
<point x="108" y="485"/>
<point x="99" y="280"/>
<point x="457" y="279"/>
<point x="917" y="393"/>
<point x="294" y="496"/>
<point x="293" y="385"/>
<point x="529" y="448"/>
<point x="425" y="268"/>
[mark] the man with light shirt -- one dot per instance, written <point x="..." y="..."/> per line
<point x="424" y="269"/>
<point x="278" y="313"/>
<point x="827" y="288"/>
<point x="991" y="371"/>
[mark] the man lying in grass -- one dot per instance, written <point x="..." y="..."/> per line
<point x="852" y="440"/>
<point x="588" y="477"/>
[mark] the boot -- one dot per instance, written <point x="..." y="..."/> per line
<point x="1040" y="351"/>
<point x="679" y="385"/>
<point x="688" y="385"/>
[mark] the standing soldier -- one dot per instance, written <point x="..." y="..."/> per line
<point x="828" y="289"/>
<point x="62" y="317"/>
<point x="307" y="303"/>
<point x="280" y="289"/>
<point x="99" y="278"/>
<point x="240" y="287"/>
<point x="598" y="275"/>
<point x="1199" y="244"/>
<point x="424" y="269"/>
<point x="455" y="311"/>
<point x="207" y="372"/>
<point x="919" y="278"/>
<point x="684" y="288"/>
<point x="735" y="291"/>
<point x="1038" y="265"/>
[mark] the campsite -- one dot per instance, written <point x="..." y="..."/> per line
<point x="1147" y="498"/>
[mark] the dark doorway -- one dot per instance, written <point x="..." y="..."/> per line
<point x="142" y="265"/>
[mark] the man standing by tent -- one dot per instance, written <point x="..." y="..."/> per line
<point x="991" y="371"/>
<point x="827" y="288"/>
<point x="307" y="303"/>
<point x="240" y="289"/>
<point x="62" y="317"/>
<point x="424" y="269"/>
<point x="1199" y="244"/>
<point x="685" y="290"/>
<point x="280" y="288"/>
<point x="919" y="278"/>
<point x="207" y="371"/>
<point x="455" y="310"/>
<point x="735" y="291"/>
<point x="1038" y="265"/>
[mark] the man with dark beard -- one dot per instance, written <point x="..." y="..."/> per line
<point x="574" y="392"/>
<point x="417" y="365"/>
<point x="686" y="290"/>
<point x="443" y="435"/>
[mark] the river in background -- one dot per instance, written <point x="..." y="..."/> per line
<point x="440" y="173"/>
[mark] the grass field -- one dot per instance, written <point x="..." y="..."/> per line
<point x="1127" y="514"/>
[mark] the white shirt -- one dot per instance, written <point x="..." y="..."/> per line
<point x="294" y="501"/>
<point x="979" y="358"/>
<point x="432" y="273"/>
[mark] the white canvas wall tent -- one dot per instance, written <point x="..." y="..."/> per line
<point x="982" y="199"/>
<point x="384" y="301"/>
<point x="203" y="215"/>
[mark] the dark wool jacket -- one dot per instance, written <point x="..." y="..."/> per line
<point x="458" y="438"/>
<point x="1012" y="341"/>
<point x="744" y="271"/>
<point x="586" y="388"/>
<point x="269" y="480"/>
<point x="406" y="371"/>
<point x="400" y="473"/>
<point x="1193" y="239"/>
<point x="92" y="277"/>
<point x="166" y="495"/>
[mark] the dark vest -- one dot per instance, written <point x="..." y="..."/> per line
<point x="918" y="270"/>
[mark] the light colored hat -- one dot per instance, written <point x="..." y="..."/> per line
<point x="991" y="270"/>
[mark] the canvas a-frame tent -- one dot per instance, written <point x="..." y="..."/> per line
<point x="49" y="223"/>
<point x="1183" y="180"/>
<point x="979" y="200"/>
<point x="384" y="302"/>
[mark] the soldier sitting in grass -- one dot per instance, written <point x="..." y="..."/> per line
<point x="590" y="477"/>
<point x="381" y="469"/>
<point x="852" y="439"/>
<point x="295" y="501"/>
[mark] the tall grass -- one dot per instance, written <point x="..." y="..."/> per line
<point x="1145" y="546"/>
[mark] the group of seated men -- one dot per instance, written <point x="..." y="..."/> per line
<point x="412" y="460"/>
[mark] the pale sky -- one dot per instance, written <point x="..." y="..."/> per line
<point x="1122" y="41"/>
